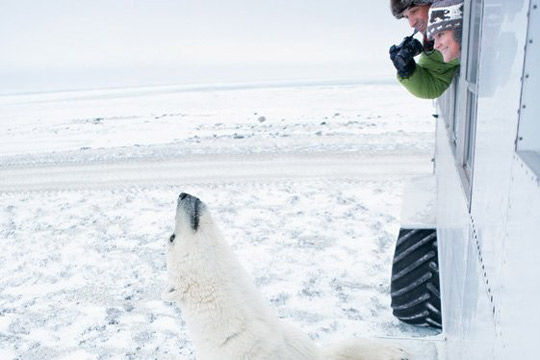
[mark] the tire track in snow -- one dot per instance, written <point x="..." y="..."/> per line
<point x="215" y="169"/>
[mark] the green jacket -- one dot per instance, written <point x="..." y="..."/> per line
<point x="431" y="77"/>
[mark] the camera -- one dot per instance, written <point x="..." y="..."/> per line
<point x="403" y="53"/>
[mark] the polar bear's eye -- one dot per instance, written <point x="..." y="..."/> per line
<point x="171" y="239"/>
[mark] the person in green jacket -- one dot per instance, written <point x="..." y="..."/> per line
<point x="430" y="76"/>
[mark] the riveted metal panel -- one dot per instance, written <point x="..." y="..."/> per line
<point x="505" y="28"/>
<point x="519" y="313"/>
<point x="529" y="123"/>
<point x="468" y="322"/>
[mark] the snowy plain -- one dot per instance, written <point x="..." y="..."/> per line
<point x="305" y="182"/>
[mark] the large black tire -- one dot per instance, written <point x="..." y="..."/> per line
<point x="415" y="286"/>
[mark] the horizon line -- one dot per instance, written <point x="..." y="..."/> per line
<point x="124" y="91"/>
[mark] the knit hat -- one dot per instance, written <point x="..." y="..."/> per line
<point x="399" y="6"/>
<point x="445" y="15"/>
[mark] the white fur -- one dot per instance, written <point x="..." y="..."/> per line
<point x="226" y="317"/>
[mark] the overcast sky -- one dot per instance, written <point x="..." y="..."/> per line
<point x="48" y="45"/>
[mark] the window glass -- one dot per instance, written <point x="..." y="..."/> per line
<point x="475" y="16"/>
<point x="468" y="155"/>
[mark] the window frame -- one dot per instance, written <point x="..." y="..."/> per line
<point x="465" y="114"/>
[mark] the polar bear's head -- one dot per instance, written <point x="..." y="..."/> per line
<point x="190" y="247"/>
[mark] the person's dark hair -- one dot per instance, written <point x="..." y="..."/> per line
<point x="458" y="33"/>
<point x="399" y="6"/>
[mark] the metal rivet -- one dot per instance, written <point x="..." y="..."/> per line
<point x="524" y="106"/>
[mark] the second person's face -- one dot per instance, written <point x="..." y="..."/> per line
<point x="447" y="45"/>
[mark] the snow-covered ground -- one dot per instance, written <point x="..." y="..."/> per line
<point x="306" y="183"/>
<point x="111" y="125"/>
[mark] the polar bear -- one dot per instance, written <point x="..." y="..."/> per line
<point x="226" y="317"/>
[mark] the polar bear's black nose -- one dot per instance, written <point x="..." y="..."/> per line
<point x="187" y="197"/>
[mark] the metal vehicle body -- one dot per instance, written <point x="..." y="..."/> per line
<point x="487" y="169"/>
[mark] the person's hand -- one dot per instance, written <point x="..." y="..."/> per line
<point x="402" y="56"/>
<point x="394" y="49"/>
